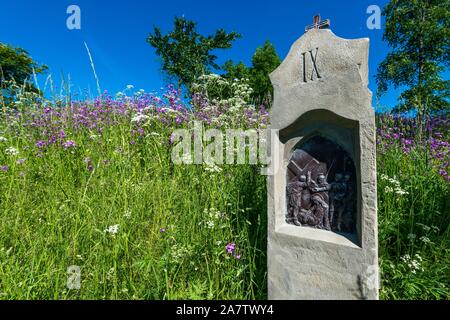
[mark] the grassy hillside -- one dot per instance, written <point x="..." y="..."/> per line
<point x="92" y="184"/>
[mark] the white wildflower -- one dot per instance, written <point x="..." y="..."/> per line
<point x="425" y="239"/>
<point x="3" y="139"/>
<point x="12" y="151"/>
<point x="388" y="189"/>
<point x="405" y="258"/>
<point x="112" y="229"/>
<point x="400" y="191"/>
<point x="213" y="168"/>
<point x="127" y="214"/>
<point x="138" y="118"/>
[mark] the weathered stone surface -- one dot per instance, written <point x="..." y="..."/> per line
<point x="329" y="100"/>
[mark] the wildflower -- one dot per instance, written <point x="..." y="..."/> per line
<point x="238" y="257"/>
<point x="127" y="214"/>
<point x="211" y="167"/>
<point x="62" y="134"/>
<point x="89" y="165"/>
<point x="112" y="229"/>
<point x="20" y="161"/>
<point x="230" y="247"/>
<point x="69" y="144"/>
<point x="138" y="118"/>
<point x="12" y="151"/>
<point x="4" y="168"/>
<point x="400" y="191"/>
<point x="425" y="239"/>
<point x="40" y="144"/>
<point x="3" y="139"/>
<point x="162" y="230"/>
<point x="418" y="257"/>
<point x="388" y="189"/>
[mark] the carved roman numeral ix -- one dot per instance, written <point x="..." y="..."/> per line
<point x="314" y="69"/>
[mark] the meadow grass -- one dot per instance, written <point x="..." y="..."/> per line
<point x="86" y="186"/>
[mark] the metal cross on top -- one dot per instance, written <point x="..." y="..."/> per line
<point x="317" y="24"/>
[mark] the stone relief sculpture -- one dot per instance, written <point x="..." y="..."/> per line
<point x="320" y="187"/>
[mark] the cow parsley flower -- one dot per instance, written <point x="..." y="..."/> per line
<point x="127" y="214"/>
<point x="112" y="229"/>
<point x="425" y="239"/>
<point x="211" y="167"/>
<point x="138" y="118"/>
<point x="12" y="151"/>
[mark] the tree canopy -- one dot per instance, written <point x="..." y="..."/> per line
<point x="16" y="65"/>
<point x="185" y="53"/>
<point x="264" y="61"/>
<point x="418" y="33"/>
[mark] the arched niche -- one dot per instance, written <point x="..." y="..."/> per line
<point x="321" y="186"/>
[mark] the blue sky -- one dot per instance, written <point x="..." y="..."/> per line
<point x="116" y="33"/>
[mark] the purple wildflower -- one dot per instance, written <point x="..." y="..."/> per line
<point x="230" y="248"/>
<point x="4" y="168"/>
<point x="69" y="144"/>
<point x="41" y="144"/>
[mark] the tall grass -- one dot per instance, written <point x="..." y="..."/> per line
<point x="89" y="184"/>
<point x="59" y="200"/>
<point x="413" y="209"/>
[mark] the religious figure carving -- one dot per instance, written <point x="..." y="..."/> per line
<point x="313" y="201"/>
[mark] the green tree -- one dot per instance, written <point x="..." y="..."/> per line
<point x="418" y="33"/>
<point x="236" y="71"/>
<point x="185" y="53"/>
<point x="17" y="66"/>
<point x="264" y="61"/>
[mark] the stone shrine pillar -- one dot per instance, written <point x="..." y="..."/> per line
<point x="322" y="199"/>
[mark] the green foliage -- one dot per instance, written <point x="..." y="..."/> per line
<point x="16" y="70"/>
<point x="413" y="217"/>
<point x="414" y="228"/>
<point x="185" y="53"/>
<point x="264" y="61"/>
<point x="418" y="32"/>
